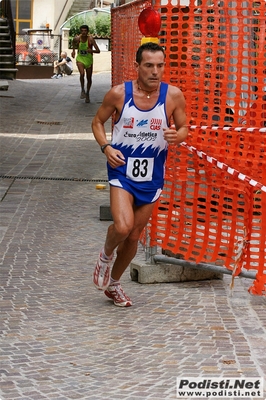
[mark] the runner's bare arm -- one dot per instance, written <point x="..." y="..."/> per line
<point x="176" y="104"/>
<point x="75" y="45"/>
<point x="94" y="47"/>
<point x="112" y="104"/>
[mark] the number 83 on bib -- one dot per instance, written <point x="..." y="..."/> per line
<point x="140" y="169"/>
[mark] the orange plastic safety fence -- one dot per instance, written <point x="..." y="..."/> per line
<point x="216" y="54"/>
<point x="212" y="208"/>
<point x="210" y="212"/>
<point x="125" y="38"/>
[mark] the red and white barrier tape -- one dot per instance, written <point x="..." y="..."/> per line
<point x="232" y="171"/>
<point x="229" y="128"/>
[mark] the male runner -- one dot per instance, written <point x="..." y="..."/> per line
<point x="135" y="159"/>
<point x="86" y="46"/>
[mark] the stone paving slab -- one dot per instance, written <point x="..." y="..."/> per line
<point x="60" y="337"/>
<point x="3" y="84"/>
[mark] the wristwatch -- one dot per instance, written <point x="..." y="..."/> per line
<point x="104" y="146"/>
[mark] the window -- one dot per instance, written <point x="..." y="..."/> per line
<point x="21" y="10"/>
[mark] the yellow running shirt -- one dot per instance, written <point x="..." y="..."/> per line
<point x="83" y="57"/>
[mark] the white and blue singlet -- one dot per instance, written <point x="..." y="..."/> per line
<point x="138" y="134"/>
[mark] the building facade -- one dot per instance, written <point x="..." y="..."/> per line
<point x="36" y="14"/>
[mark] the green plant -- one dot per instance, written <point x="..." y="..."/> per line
<point x="103" y="25"/>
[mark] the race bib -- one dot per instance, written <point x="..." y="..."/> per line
<point x="140" y="169"/>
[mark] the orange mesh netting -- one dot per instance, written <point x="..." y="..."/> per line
<point x="212" y="208"/>
<point x="125" y="39"/>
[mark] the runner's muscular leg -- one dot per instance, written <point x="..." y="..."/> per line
<point x="127" y="249"/>
<point x="89" y="77"/>
<point x="129" y="222"/>
<point x="123" y="218"/>
<point x="81" y="75"/>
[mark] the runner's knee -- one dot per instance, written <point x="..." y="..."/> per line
<point x="123" y="229"/>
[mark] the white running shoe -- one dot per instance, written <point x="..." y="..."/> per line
<point x="101" y="274"/>
<point x="117" y="294"/>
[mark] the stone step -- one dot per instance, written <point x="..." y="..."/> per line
<point x="79" y="6"/>
<point x="3" y="22"/>
<point x="7" y="59"/>
<point x="5" y="50"/>
<point x="7" y="64"/>
<point x="4" y="42"/>
<point x="8" y="73"/>
<point x="5" y="56"/>
<point x="8" y="69"/>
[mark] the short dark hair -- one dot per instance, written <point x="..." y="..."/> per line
<point x="84" y="27"/>
<point x="149" y="46"/>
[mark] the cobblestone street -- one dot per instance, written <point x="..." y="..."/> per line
<point x="60" y="337"/>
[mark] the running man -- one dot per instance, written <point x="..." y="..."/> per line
<point x="135" y="159"/>
<point x="86" y="46"/>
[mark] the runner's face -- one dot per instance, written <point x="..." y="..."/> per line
<point x="84" y="32"/>
<point x="151" y="69"/>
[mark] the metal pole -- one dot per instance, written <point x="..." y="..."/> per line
<point x="208" y="267"/>
<point x="149" y="251"/>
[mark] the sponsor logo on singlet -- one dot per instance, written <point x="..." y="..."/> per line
<point x="128" y="123"/>
<point x="143" y="122"/>
<point x="130" y="134"/>
<point x="142" y="136"/>
<point x="156" y="124"/>
<point x="146" y="136"/>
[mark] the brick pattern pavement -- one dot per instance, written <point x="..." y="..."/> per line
<point x="60" y="337"/>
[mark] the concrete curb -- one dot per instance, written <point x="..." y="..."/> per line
<point x="144" y="272"/>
